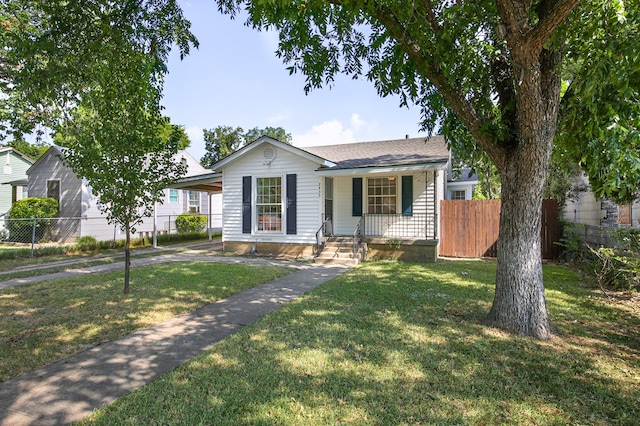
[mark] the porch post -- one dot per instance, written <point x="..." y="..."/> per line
<point x="210" y="217"/>
<point x="435" y="204"/>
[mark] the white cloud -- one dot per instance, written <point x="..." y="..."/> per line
<point x="335" y="132"/>
<point x="327" y="133"/>
<point x="356" y="121"/>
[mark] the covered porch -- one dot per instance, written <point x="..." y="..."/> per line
<point x="389" y="212"/>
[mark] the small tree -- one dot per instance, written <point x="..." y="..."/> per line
<point x="94" y="70"/>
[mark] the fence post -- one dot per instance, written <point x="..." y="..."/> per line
<point x="33" y="237"/>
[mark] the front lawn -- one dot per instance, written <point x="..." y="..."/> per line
<point x="51" y="320"/>
<point x="393" y="343"/>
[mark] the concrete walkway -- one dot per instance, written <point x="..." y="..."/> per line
<point x="69" y="390"/>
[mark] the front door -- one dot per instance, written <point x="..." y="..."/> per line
<point x="328" y="198"/>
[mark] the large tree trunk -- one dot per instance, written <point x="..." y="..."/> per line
<point x="519" y="304"/>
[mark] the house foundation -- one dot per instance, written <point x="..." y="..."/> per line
<point x="408" y="250"/>
<point x="289" y="250"/>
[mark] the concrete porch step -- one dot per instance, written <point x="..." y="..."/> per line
<point x="338" y="250"/>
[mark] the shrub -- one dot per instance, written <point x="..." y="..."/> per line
<point x="190" y="223"/>
<point x="615" y="267"/>
<point x="87" y="243"/>
<point x="34" y="207"/>
<point x="20" y="230"/>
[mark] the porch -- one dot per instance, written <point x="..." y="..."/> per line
<point x="381" y="236"/>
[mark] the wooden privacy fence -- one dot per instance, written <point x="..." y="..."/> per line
<point x="470" y="228"/>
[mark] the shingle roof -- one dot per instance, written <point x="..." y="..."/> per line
<point x="399" y="152"/>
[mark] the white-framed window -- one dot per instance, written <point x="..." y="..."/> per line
<point x="194" y="202"/>
<point x="269" y="204"/>
<point x="458" y="194"/>
<point x="382" y="195"/>
<point x="174" y="196"/>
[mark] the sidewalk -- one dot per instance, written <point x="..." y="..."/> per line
<point x="213" y="244"/>
<point x="71" y="389"/>
<point x="144" y="261"/>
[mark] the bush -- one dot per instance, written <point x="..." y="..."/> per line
<point x="87" y="243"/>
<point x="190" y="223"/>
<point x="21" y="230"/>
<point x="615" y="267"/>
<point x="34" y="207"/>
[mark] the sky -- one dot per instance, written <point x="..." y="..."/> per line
<point x="235" y="79"/>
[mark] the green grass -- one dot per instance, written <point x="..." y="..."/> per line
<point x="394" y="343"/>
<point x="51" y="320"/>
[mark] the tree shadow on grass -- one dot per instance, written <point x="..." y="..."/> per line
<point x="391" y="345"/>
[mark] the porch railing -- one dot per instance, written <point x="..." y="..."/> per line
<point x="358" y="235"/>
<point x="325" y="231"/>
<point x="419" y="225"/>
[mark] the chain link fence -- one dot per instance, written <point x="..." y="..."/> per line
<point x="66" y="230"/>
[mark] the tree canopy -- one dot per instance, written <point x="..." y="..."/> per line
<point x="489" y="75"/>
<point x="94" y="71"/>
<point x="224" y="140"/>
<point x="54" y="52"/>
<point x="31" y="150"/>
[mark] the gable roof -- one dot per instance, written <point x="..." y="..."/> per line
<point x="61" y="150"/>
<point x="53" y="150"/>
<point x="261" y="141"/>
<point x="407" y="152"/>
<point x="11" y="149"/>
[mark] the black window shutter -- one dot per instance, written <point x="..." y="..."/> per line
<point x="246" y="204"/>
<point x="407" y="195"/>
<point x="291" y="204"/>
<point x="356" y="209"/>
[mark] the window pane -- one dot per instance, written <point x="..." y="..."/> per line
<point x="269" y="204"/>
<point x="173" y="196"/>
<point x="381" y="195"/>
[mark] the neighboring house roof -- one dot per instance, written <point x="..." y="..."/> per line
<point x="4" y="149"/>
<point x="465" y="176"/>
<point x="60" y="150"/>
<point x="389" y="153"/>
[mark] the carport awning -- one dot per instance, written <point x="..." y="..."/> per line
<point x="19" y="182"/>
<point x="206" y="182"/>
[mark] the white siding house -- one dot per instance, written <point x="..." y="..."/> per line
<point x="281" y="199"/>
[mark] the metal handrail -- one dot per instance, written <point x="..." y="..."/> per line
<point x="324" y="230"/>
<point x="357" y="236"/>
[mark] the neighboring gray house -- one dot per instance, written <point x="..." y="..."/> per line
<point x="50" y="177"/>
<point x="278" y="198"/>
<point x="13" y="177"/>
